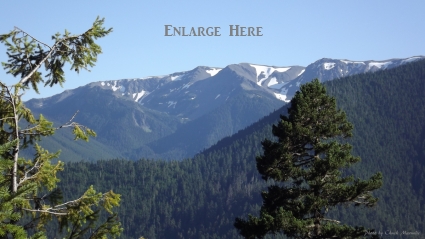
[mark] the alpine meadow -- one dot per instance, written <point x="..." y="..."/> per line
<point x="335" y="149"/>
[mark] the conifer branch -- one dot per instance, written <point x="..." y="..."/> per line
<point x="50" y="52"/>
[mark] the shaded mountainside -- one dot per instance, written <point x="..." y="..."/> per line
<point x="177" y="115"/>
<point x="210" y="109"/>
<point x="189" y="139"/>
<point x="200" y="197"/>
<point x="120" y="125"/>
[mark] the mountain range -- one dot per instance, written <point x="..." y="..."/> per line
<point x="200" y="197"/>
<point x="176" y="116"/>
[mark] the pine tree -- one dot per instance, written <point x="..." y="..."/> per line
<point x="24" y="209"/>
<point x="306" y="166"/>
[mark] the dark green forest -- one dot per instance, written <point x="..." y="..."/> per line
<point x="200" y="197"/>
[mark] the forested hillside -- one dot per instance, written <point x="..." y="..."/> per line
<point x="200" y="197"/>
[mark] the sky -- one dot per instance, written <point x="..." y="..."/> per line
<point x="293" y="33"/>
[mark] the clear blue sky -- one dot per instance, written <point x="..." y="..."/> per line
<point x="294" y="33"/>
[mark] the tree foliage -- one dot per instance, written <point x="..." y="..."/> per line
<point x="29" y="196"/>
<point x="306" y="165"/>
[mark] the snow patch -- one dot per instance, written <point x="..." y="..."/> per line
<point x="102" y="83"/>
<point x="172" y="103"/>
<point x="353" y="62"/>
<point x="217" y="96"/>
<point x="213" y="71"/>
<point x="301" y="72"/>
<point x="282" y="69"/>
<point x="114" y="87"/>
<point x="267" y="71"/>
<point x="380" y="64"/>
<point x="282" y="95"/>
<point x="272" y="81"/>
<point x="174" y="78"/>
<point x="415" y="58"/>
<point x="139" y="95"/>
<point x="328" y="65"/>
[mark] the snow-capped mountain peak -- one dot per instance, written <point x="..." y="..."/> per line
<point x="162" y="110"/>
<point x="190" y="93"/>
<point x="279" y="82"/>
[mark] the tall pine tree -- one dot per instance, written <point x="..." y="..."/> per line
<point x="306" y="165"/>
<point x="29" y="197"/>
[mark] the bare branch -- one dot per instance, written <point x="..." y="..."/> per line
<point x="35" y="39"/>
<point x="7" y="118"/>
<point x="60" y="209"/>
<point x="25" y="178"/>
<point x="27" y="131"/>
<point x="46" y="211"/>
<point x="331" y="220"/>
<point x="72" y="118"/>
<point x="326" y="176"/>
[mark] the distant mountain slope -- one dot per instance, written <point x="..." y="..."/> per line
<point x="206" y="130"/>
<point x="120" y="125"/>
<point x="200" y="197"/>
<point x="177" y="115"/>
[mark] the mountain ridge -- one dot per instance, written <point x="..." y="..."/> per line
<point x="188" y="111"/>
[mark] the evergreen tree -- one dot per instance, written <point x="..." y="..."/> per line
<point x="306" y="165"/>
<point x="29" y="198"/>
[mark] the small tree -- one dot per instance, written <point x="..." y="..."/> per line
<point x="23" y="211"/>
<point x="306" y="165"/>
